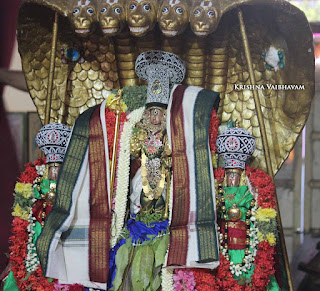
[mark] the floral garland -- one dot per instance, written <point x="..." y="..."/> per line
<point x="110" y="122"/>
<point x="23" y="258"/>
<point x="222" y="278"/>
<point x="123" y="174"/>
<point x="249" y="258"/>
<point x="27" y="275"/>
<point x="167" y="279"/>
<point x="32" y="260"/>
<point x="213" y="131"/>
<point x="184" y="280"/>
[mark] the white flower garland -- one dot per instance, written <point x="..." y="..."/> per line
<point x="32" y="261"/>
<point x="40" y="170"/>
<point x="171" y="199"/>
<point x="167" y="279"/>
<point x="123" y="175"/>
<point x="167" y="274"/>
<point x="238" y="269"/>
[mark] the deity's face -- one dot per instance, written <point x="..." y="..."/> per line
<point x="141" y="16"/>
<point x="233" y="179"/>
<point x="112" y="16"/>
<point x="156" y="116"/>
<point x="203" y="18"/>
<point x="54" y="171"/>
<point x="83" y="16"/>
<point x="173" y="17"/>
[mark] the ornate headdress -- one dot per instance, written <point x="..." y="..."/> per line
<point x="52" y="139"/>
<point x="236" y="145"/>
<point x="160" y="69"/>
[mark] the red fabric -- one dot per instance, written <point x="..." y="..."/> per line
<point x="238" y="231"/>
<point x="134" y="167"/>
<point x="181" y="203"/>
<point x="100" y="218"/>
<point x="9" y="164"/>
<point x="37" y="209"/>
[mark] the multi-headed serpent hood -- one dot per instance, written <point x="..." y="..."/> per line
<point x="98" y="42"/>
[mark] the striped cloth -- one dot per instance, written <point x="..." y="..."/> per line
<point x="74" y="244"/>
<point x="193" y="236"/>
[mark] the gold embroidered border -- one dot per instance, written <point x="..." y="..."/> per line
<point x="207" y="240"/>
<point x="181" y="203"/>
<point x="68" y="175"/>
<point x="236" y="241"/>
<point x="99" y="235"/>
<point x="237" y="224"/>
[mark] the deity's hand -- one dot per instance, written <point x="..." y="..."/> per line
<point x="136" y="141"/>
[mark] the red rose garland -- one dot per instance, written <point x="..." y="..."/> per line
<point x="221" y="278"/>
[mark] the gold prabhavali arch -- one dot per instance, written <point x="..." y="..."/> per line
<point x="222" y="43"/>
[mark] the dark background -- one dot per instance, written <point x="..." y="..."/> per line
<point x="8" y="160"/>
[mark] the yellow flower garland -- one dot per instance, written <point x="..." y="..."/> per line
<point x="265" y="214"/>
<point x="25" y="190"/>
<point x="19" y="212"/>
<point x="111" y="105"/>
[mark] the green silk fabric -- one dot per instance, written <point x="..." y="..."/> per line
<point x="10" y="283"/>
<point x="236" y="256"/>
<point x="45" y="187"/>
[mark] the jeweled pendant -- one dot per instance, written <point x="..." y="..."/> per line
<point x="234" y="213"/>
<point x="50" y="197"/>
<point x="156" y="87"/>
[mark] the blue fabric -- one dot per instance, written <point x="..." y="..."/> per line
<point x="138" y="231"/>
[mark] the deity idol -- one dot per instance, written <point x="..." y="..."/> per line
<point x="35" y="194"/>
<point x="162" y="162"/>
<point x="81" y="225"/>
<point x="246" y="219"/>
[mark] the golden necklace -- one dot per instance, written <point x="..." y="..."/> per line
<point x="234" y="212"/>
